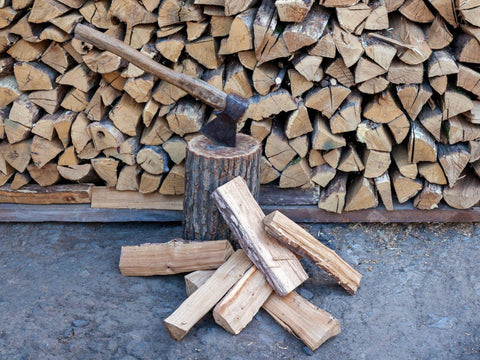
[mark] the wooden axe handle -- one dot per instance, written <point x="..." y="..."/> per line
<point x="199" y="89"/>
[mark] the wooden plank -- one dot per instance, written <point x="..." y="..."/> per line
<point x="109" y="198"/>
<point x="174" y="257"/>
<point x="301" y="242"/>
<point x="272" y="195"/>
<point x="245" y="218"/>
<point x="197" y="305"/>
<point x="39" y="195"/>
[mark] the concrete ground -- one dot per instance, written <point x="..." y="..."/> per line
<point x="62" y="297"/>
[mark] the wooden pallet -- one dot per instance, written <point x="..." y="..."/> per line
<point x="84" y="203"/>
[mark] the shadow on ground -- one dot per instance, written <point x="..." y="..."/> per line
<point x="62" y="297"/>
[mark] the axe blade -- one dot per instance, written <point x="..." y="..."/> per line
<point x="223" y="129"/>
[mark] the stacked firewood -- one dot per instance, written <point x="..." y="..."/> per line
<point x="358" y="98"/>
<point x="263" y="274"/>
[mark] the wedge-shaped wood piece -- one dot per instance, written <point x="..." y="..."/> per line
<point x="399" y="127"/>
<point x="290" y="312"/>
<point x="429" y="197"/>
<point x="348" y="115"/>
<point x="374" y="136"/>
<point x="376" y="163"/>
<point x="421" y="145"/>
<point x="417" y="11"/>
<point x="470" y="12"/>
<point x="308" y="31"/>
<point x="301" y="242"/>
<point x="468" y="79"/>
<point x="401" y="73"/>
<point x="323" y="138"/>
<point x="400" y="156"/>
<point x="327" y="99"/>
<point x="341" y="72"/>
<point x="453" y="158"/>
<point x="454" y="103"/>
<point x="431" y="119"/>
<point x="174" y="257"/>
<point x="467" y="49"/>
<point x="197" y="305"/>
<point x="405" y="188"/>
<point x="413" y="97"/>
<point x="240" y="37"/>
<point x="383" y="108"/>
<point x="384" y="189"/>
<point x="438" y="35"/>
<point x="465" y="193"/>
<point x="350" y="161"/>
<point x="242" y="302"/>
<point x="348" y="45"/>
<point x="361" y="194"/>
<point x="245" y="218"/>
<point x="432" y="172"/>
<point x="350" y="18"/>
<point x="461" y="130"/>
<point x="262" y="107"/>
<point x="332" y="198"/>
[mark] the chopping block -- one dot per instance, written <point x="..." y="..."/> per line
<point x="208" y="166"/>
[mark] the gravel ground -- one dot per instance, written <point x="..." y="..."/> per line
<point x="62" y="297"/>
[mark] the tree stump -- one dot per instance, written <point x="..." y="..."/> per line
<point x="207" y="167"/>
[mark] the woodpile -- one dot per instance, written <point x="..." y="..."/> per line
<point x="372" y="102"/>
<point x="236" y="285"/>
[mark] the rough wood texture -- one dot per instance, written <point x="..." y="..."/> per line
<point x="174" y="257"/>
<point x="39" y="195"/>
<point x="209" y="166"/>
<point x="301" y="242"/>
<point x="245" y="218"/>
<point x="181" y="321"/>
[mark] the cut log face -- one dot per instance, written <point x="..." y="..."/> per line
<point x="332" y="198"/>
<point x="421" y="145"/>
<point x="323" y="138"/>
<point x="405" y="188"/>
<point x="454" y="159"/>
<point x="429" y="197"/>
<point x="432" y="172"/>
<point x="384" y="189"/>
<point x="361" y="195"/>
<point x="464" y="193"/>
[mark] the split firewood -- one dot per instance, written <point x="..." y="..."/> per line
<point x="348" y="45"/>
<point x="382" y="109"/>
<point x="308" y="66"/>
<point x="374" y="86"/>
<point x="421" y="145"/>
<point x="239" y="208"/>
<point x="126" y="152"/>
<point x="261" y="129"/>
<point x="454" y="159"/>
<point x="401" y="73"/>
<point x="298" y="122"/>
<point x="454" y="103"/>
<point x="180" y="322"/>
<point x="323" y="174"/>
<point x="315" y="158"/>
<point x="262" y="107"/>
<point x="332" y="157"/>
<point x="20" y="180"/>
<point x="348" y="115"/>
<point x="438" y="35"/>
<point x="374" y="136"/>
<point x="277" y="149"/>
<point x="242" y="302"/>
<point x="49" y="100"/>
<point x="140" y="88"/>
<point x="241" y="34"/>
<point x="17" y="155"/>
<point x="405" y="188"/>
<point x="401" y="157"/>
<point x="68" y="157"/>
<point x="267" y="172"/>
<point x="323" y="138"/>
<point x="461" y="130"/>
<point x="376" y="163"/>
<point x="79" y="173"/>
<point x="106" y="169"/>
<point x="308" y="31"/>
<point x="149" y="183"/>
<point x="300" y="145"/>
<point x="432" y="172"/>
<point x="263" y="78"/>
<point x="351" y="17"/>
<point x="327" y="99"/>
<point x="332" y="198"/>
<point x="466" y="49"/>
<point x="43" y="150"/>
<point x="46" y="176"/>
<point x="413" y="97"/>
<point x="126" y="115"/>
<point x="129" y="178"/>
<point x="105" y="135"/>
<point x="269" y="43"/>
<point x="293" y="10"/>
<point x="341" y="72"/>
<point x="439" y="83"/>
<point x="186" y="117"/>
<point x="176" y="149"/>
<point x="366" y="70"/>
<point x="384" y="189"/>
<point x="174" y="182"/>
<point x="473" y="115"/>
<point x="429" y="197"/>
<point x="302" y="243"/>
<point x="468" y="79"/>
<point x="464" y="193"/>
<point x="400" y="128"/>
<point x="205" y="51"/>
<point x="153" y="159"/>
<point x="325" y="46"/>
<point x="24" y="112"/>
<point x="431" y="119"/>
<point x="350" y="161"/>
<point x="157" y="133"/>
<point x="296" y="174"/>
<point x="361" y="194"/>
<point x="9" y="90"/>
<point x="79" y="133"/>
<point x="174" y="257"/>
<point x="62" y="125"/>
<point x="474" y="149"/>
<point x="238" y="81"/>
<point x="15" y="131"/>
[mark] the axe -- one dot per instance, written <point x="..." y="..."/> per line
<point x="222" y="129"/>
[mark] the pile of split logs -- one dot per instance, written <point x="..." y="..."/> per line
<point x="262" y="275"/>
<point x="356" y="97"/>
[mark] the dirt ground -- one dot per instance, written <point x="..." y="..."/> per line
<point x="62" y="297"/>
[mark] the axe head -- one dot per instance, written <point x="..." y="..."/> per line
<point x="223" y="129"/>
